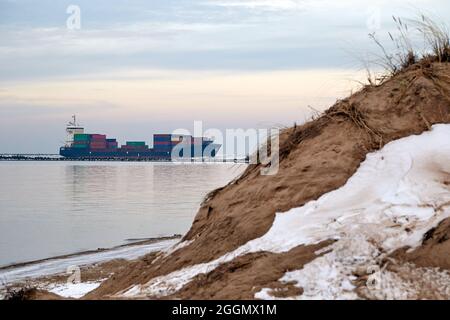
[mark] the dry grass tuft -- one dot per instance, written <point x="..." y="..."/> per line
<point x="436" y="38"/>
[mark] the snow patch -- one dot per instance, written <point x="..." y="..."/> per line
<point x="73" y="290"/>
<point x="329" y="276"/>
<point x="393" y="199"/>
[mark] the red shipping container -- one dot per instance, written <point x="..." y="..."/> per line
<point x="162" y="135"/>
<point x="98" y="145"/>
<point x="98" y="136"/>
<point x="162" y="143"/>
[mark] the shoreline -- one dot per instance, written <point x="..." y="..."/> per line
<point x="33" y="270"/>
<point x="132" y="242"/>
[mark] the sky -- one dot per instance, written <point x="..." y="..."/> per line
<point x="132" y="68"/>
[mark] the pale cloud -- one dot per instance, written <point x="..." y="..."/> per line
<point x="199" y="34"/>
<point x="262" y="4"/>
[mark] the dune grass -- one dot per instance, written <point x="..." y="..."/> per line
<point x="405" y="54"/>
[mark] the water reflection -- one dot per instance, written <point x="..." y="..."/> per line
<point x="48" y="209"/>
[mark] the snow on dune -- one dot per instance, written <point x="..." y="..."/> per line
<point x="60" y="265"/>
<point x="397" y="194"/>
<point x="73" y="290"/>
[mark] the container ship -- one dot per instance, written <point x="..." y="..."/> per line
<point x="81" y="145"/>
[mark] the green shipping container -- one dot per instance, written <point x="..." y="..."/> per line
<point x="136" y="143"/>
<point x="81" y="137"/>
<point x="80" y="146"/>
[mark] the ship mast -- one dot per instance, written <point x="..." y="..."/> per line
<point x="74" y="122"/>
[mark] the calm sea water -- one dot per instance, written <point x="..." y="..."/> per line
<point x="55" y="208"/>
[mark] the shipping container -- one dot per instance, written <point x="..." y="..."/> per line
<point x="80" y="146"/>
<point x="162" y="143"/>
<point x="165" y="135"/>
<point x="135" y="143"/>
<point x="98" y="136"/>
<point x="81" y="137"/>
<point x="162" y="147"/>
<point x="97" y="140"/>
<point x="162" y="137"/>
<point x="111" y="140"/>
<point x="80" y="142"/>
<point x="135" y="147"/>
<point x="98" y="145"/>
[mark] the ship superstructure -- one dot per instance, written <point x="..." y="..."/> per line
<point x="72" y="129"/>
